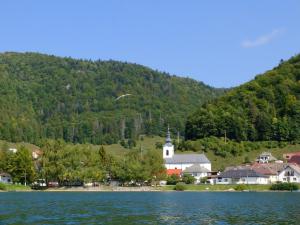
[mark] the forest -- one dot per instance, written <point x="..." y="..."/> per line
<point x="264" y="109"/>
<point x="49" y="97"/>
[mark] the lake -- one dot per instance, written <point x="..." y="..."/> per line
<point x="149" y="208"/>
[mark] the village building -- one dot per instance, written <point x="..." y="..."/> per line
<point x="5" y="178"/>
<point x="240" y="175"/>
<point x="265" y="157"/>
<point x="197" y="172"/>
<point x="197" y="165"/>
<point x="270" y="170"/>
<point x="291" y="174"/>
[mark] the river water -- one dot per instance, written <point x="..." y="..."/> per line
<point x="149" y="208"/>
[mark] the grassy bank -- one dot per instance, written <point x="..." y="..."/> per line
<point x="14" y="187"/>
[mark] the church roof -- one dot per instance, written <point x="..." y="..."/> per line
<point x="187" y="158"/>
<point x="196" y="168"/>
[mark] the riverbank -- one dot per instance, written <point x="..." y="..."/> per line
<point x="102" y="189"/>
<point x="167" y="188"/>
<point x="14" y="187"/>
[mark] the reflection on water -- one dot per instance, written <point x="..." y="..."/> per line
<point x="149" y="208"/>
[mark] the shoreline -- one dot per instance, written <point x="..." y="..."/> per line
<point x="135" y="189"/>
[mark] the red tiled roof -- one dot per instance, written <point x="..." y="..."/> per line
<point x="264" y="170"/>
<point x="295" y="159"/>
<point x="174" y="171"/>
<point x="268" y="168"/>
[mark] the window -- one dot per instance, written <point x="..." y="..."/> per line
<point x="167" y="152"/>
<point x="294" y="179"/>
<point x="225" y="180"/>
<point x="284" y="178"/>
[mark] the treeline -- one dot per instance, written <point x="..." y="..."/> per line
<point x="264" y="109"/>
<point x="69" y="164"/>
<point x="228" y="148"/>
<point x="45" y="96"/>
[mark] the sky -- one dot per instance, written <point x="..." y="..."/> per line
<point x="222" y="43"/>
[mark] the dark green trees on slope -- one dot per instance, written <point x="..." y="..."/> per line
<point x="45" y="96"/>
<point x="267" y="108"/>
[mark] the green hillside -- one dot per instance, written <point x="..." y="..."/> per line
<point x="266" y="108"/>
<point x="43" y="96"/>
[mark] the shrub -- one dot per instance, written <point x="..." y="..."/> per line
<point x="284" y="187"/>
<point x="240" y="187"/>
<point x="173" y="179"/>
<point x="180" y="187"/>
<point x="188" y="179"/>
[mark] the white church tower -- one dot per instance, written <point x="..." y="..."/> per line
<point x="168" y="148"/>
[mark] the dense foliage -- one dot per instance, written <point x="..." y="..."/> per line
<point x="266" y="108"/>
<point x="19" y="165"/>
<point x="284" y="187"/>
<point x="223" y="148"/>
<point x="70" y="164"/>
<point x="45" y="96"/>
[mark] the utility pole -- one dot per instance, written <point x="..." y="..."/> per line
<point x="177" y="137"/>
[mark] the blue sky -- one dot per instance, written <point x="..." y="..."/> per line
<point x="222" y="43"/>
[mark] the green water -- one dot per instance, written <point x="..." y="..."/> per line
<point x="149" y="208"/>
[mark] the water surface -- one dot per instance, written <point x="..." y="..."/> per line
<point x="149" y="208"/>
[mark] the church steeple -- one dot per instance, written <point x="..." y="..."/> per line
<point x="168" y="148"/>
<point x="168" y="138"/>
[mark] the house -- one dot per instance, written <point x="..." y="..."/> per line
<point x="5" y="178"/>
<point x="291" y="173"/>
<point x="265" y="157"/>
<point x="182" y="161"/>
<point x="292" y="157"/>
<point x="242" y="176"/>
<point x="271" y="170"/>
<point x="212" y="178"/>
<point x="197" y="172"/>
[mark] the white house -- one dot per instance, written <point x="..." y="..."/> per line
<point x="197" y="165"/>
<point x="265" y="157"/>
<point x="5" y="178"/>
<point x="291" y="173"/>
<point x="242" y="176"/>
<point x="197" y="172"/>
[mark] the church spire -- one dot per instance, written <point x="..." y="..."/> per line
<point x="168" y="139"/>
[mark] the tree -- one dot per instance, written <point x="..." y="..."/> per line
<point x="21" y="166"/>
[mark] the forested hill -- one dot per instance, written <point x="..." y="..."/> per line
<point x="266" y="108"/>
<point x="44" y="96"/>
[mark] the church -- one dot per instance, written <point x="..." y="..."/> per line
<point x="196" y="165"/>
